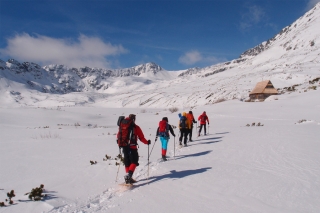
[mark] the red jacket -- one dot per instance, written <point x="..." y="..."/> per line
<point x="138" y="134"/>
<point x="203" y="118"/>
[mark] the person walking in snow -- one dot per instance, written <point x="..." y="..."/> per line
<point x="191" y="121"/>
<point x="184" y="126"/>
<point x="203" y="118"/>
<point x="163" y="133"/>
<point x="127" y="139"/>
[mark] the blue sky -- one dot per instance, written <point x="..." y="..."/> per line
<point x="174" y="34"/>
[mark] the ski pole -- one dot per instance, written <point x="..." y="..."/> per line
<point x="198" y="133"/>
<point x="153" y="145"/>
<point x="119" y="165"/>
<point x="174" y="147"/>
<point x="148" y="161"/>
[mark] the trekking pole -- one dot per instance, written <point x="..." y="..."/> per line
<point x="197" y="130"/>
<point x="174" y="147"/>
<point x="153" y="146"/>
<point x="119" y="165"/>
<point x="148" y="162"/>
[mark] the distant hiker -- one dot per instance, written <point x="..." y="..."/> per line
<point x="184" y="126"/>
<point x="163" y="133"/>
<point x="203" y="118"/>
<point x="191" y="120"/>
<point x="127" y="139"/>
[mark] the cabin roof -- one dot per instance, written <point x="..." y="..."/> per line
<point x="264" y="87"/>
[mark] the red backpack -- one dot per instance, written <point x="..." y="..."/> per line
<point x="126" y="132"/>
<point x="163" y="128"/>
<point x="203" y="118"/>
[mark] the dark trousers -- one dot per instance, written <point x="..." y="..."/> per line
<point x="184" y="134"/>
<point x="190" y="133"/>
<point x="205" y="128"/>
<point x="130" y="156"/>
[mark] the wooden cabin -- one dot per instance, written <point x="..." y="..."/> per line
<point x="262" y="91"/>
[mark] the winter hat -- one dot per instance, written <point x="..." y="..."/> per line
<point x="190" y="112"/>
<point x="165" y="119"/>
<point x="132" y="116"/>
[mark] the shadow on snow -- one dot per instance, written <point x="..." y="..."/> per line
<point x="175" y="175"/>
<point x="193" y="155"/>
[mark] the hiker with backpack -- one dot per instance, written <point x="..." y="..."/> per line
<point x="203" y="118"/>
<point x="192" y="121"/>
<point x="127" y="139"/>
<point x="184" y="126"/>
<point x="163" y="133"/>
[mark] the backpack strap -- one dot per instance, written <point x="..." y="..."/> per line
<point x="132" y="135"/>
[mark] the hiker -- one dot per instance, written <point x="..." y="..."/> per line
<point x="163" y="133"/>
<point x="184" y="126"/>
<point x="127" y="139"/>
<point x="192" y="121"/>
<point x="203" y="118"/>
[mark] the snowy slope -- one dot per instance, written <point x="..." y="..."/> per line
<point x="290" y="58"/>
<point x="271" y="168"/>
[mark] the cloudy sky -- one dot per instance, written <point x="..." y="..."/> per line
<point x="175" y="34"/>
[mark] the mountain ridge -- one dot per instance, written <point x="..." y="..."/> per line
<point x="290" y="58"/>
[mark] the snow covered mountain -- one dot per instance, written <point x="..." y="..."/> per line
<point x="61" y="79"/>
<point x="290" y="60"/>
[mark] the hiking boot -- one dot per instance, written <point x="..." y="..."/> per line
<point x="164" y="158"/>
<point x="128" y="178"/>
<point x="185" y="145"/>
<point x="180" y="143"/>
<point x="199" y="135"/>
<point x="190" y="140"/>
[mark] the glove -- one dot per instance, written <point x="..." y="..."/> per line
<point x="149" y="142"/>
<point x="208" y="124"/>
<point x="156" y="139"/>
<point x="174" y="135"/>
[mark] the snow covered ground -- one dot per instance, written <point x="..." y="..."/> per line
<point x="235" y="168"/>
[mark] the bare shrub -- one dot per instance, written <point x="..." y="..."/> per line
<point x="173" y="109"/>
<point x="313" y="87"/>
<point x="312" y="43"/>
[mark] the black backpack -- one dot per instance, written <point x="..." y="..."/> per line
<point x="183" y="122"/>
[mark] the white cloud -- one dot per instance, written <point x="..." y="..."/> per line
<point x="194" y="56"/>
<point x="252" y="17"/>
<point x="85" y="51"/>
<point x="312" y="3"/>
<point x="190" y="58"/>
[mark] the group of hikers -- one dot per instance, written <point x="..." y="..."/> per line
<point x="130" y="132"/>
